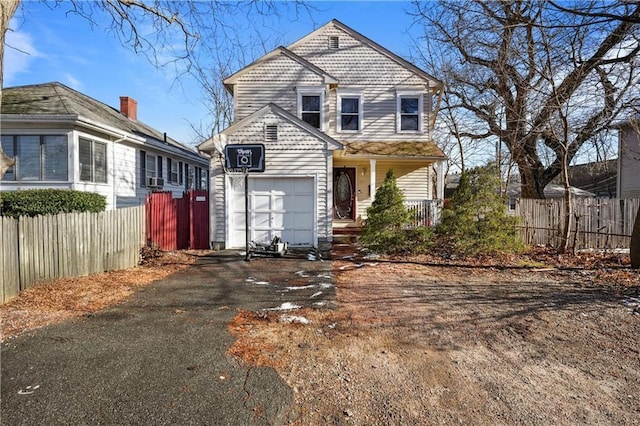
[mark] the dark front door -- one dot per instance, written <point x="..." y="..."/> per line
<point x="344" y="187"/>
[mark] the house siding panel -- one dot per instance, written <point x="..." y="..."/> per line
<point x="629" y="168"/>
<point x="296" y="153"/>
<point x="273" y="81"/>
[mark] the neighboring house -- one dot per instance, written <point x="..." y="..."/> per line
<point x="513" y="190"/>
<point x="335" y="112"/>
<point x="61" y="138"/>
<point x="629" y="159"/>
<point x="598" y="178"/>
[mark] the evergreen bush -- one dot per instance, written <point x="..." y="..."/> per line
<point x="384" y="230"/>
<point x="476" y="221"/>
<point x="34" y="202"/>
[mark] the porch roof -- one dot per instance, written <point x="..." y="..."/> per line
<point x="410" y="150"/>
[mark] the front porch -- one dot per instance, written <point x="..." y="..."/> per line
<point x="422" y="213"/>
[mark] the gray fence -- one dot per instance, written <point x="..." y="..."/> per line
<point x="40" y="248"/>
<point x="600" y="223"/>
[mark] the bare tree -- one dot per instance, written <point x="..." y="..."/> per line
<point x="203" y="39"/>
<point x="514" y="65"/>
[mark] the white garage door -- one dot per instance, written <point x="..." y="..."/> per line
<point x="283" y="207"/>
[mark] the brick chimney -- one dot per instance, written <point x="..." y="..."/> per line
<point x="129" y="107"/>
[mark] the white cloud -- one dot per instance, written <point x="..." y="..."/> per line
<point x="19" y="52"/>
<point x="73" y="82"/>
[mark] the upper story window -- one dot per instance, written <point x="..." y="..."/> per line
<point x="310" y="102"/>
<point x="334" y="42"/>
<point x="409" y="113"/>
<point x="350" y="112"/>
<point x="92" y="160"/>
<point x="38" y="157"/>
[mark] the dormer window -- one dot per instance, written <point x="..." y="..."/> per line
<point x="271" y="133"/>
<point x="334" y="42"/>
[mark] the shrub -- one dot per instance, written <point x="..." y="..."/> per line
<point x="34" y="202"/>
<point x="476" y="221"/>
<point x="384" y="230"/>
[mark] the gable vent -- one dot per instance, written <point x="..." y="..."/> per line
<point x="271" y="133"/>
<point x="334" y="42"/>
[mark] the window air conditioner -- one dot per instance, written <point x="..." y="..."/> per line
<point x="154" y="182"/>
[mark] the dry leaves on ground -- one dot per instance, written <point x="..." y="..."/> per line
<point x="57" y="300"/>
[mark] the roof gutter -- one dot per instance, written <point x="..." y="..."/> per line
<point x="72" y="119"/>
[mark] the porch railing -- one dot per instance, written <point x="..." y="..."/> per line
<point x="423" y="212"/>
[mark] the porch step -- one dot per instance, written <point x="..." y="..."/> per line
<point x="346" y="235"/>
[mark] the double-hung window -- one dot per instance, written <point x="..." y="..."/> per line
<point x="350" y="112"/>
<point x="37" y="157"/>
<point x="172" y="169"/>
<point x="310" y="102"/>
<point x="92" y="160"/>
<point x="409" y="111"/>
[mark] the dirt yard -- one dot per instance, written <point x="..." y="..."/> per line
<point x="416" y="343"/>
<point x="541" y="339"/>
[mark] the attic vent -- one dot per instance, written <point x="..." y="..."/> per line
<point x="271" y="133"/>
<point x="334" y="42"/>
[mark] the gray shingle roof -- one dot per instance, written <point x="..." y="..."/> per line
<point x="55" y="98"/>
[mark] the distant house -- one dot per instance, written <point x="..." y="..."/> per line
<point x="335" y="111"/>
<point x="61" y="138"/>
<point x="598" y="178"/>
<point x="629" y="159"/>
<point x="513" y="190"/>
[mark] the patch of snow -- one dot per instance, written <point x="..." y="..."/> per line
<point x="300" y="287"/>
<point x="286" y="306"/>
<point x="294" y="319"/>
<point x="325" y="285"/>
<point x="324" y="276"/>
<point x="319" y="303"/>
<point x="302" y="274"/>
<point x="314" y="295"/>
<point x="261" y="283"/>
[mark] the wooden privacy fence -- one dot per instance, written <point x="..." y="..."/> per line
<point x="601" y="223"/>
<point x="67" y="245"/>
<point x="178" y="223"/>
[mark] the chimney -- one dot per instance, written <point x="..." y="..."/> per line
<point x="129" y="107"/>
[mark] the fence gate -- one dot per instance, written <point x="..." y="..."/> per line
<point x="178" y="223"/>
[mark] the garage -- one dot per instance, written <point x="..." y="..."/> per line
<point x="278" y="206"/>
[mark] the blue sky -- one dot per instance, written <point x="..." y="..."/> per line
<point x="48" y="45"/>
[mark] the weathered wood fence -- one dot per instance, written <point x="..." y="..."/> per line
<point x="601" y="223"/>
<point x="39" y="248"/>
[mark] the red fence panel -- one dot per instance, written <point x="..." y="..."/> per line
<point x="199" y="229"/>
<point x="178" y="223"/>
<point x="161" y="221"/>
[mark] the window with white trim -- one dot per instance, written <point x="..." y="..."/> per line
<point x="350" y="112"/>
<point x="409" y="112"/>
<point x="92" y="161"/>
<point x="37" y="157"/>
<point x="310" y="106"/>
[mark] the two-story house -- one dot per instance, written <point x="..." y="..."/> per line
<point x="61" y="138"/>
<point x="335" y="111"/>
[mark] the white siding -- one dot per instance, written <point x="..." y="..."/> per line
<point x="273" y="81"/>
<point x="356" y="66"/>
<point x="296" y="153"/>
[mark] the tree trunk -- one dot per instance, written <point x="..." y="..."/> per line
<point x="7" y="10"/>
<point x="568" y="210"/>
<point x="529" y="185"/>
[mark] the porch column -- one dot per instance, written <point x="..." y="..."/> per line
<point x="440" y="180"/>
<point x="372" y="178"/>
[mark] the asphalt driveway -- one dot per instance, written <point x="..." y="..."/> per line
<point x="160" y="357"/>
